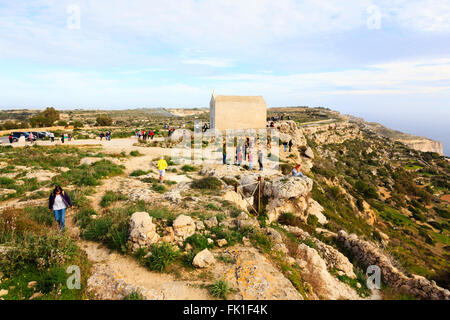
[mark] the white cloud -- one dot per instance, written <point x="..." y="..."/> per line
<point x="212" y="62"/>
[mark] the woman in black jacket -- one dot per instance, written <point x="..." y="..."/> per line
<point x="58" y="202"/>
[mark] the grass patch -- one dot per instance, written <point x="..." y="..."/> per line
<point x="219" y="289"/>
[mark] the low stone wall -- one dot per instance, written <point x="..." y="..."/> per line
<point x="368" y="254"/>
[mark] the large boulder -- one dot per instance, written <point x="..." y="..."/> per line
<point x="183" y="226"/>
<point x="142" y="230"/>
<point x="285" y="188"/>
<point x="315" y="272"/>
<point x="203" y="259"/>
<point x="254" y="277"/>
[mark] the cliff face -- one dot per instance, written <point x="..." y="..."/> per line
<point x="336" y="132"/>
<point x="413" y="142"/>
<point x="424" y="145"/>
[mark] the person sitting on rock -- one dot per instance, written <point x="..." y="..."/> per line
<point x="296" y="172"/>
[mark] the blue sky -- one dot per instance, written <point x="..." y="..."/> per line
<point x="360" y="57"/>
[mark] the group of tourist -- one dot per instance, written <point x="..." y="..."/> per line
<point x="244" y="152"/>
<point x="145" y="134"/>
<point x="106" y="135"/>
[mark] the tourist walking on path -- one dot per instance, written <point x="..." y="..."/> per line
<point x="62" y="138"/>
<point x="260" y="160"/>
<point x="58" y="202"/>
<point x="10" y="138"/>
<point x="296" y="172"/>
<point x="101" y="136"/>
<point x="162" y="166"/>
<point x="151" y="134"/>
<point x="285" y="146"/>
<point x="290" y="145"/>
<point x="52" y="136"/>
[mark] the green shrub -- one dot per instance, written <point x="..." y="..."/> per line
<point x="110" y="197"/>
<point x="135" y="295"/>
<point x="41" y="215"/>
<point x="188" y="168"/>
<point x="199" y="242"/>
<point x="158" y="187"/>
<point x="97" y="229"/>
<point x="312" y="220"/>
<point x="220" y="289"/>
<point x="137" y="173"/>
<point x="207" y="183"/>
<point x="162" y="255"/>
<point x="84" y="217"/>
<point x="135" y="153"/>
<point x="52" y="280"/>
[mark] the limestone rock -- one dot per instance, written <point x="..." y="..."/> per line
<point x="255" y="278"/>
<point x="222" y="242"/>
<point x="211" y="222"/>
<point x="32" y="284"/>
<point x="314" y="271"/>
<point x="3" y="292"/>
<point x="199" y="225"/>
<point x="309" y="153"/>
<point x="245" y="221"/>
<point x="173" y="196"/>
<point x="285" y="188"/>
<point x="203" y="259"/>
<point x="142" y="230"/>
<point x="236" y="199"/>
<point x="316" y="209"/>
<point x="184" y="226"/>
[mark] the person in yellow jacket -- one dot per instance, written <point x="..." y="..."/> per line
<point x="162" y="166"/>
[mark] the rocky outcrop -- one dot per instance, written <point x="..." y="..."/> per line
<point x="368" y="254"/>
<point x="285" y="188"/>
<point x="237" y="199"/>
<point x="288" y="130"/>
<point x="183" y="227"/>
<point x="287" y="194"/>
<point x="336" y="132"/>
<point x="142" y="230"/>
<point x="315" y="272"/>
<point x="332" y="257"/>
<point x="254" y="278"/>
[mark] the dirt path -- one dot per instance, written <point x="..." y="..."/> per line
<point x="113" y="271"/>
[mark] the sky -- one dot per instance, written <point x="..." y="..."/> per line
<point x="376" y="59"/>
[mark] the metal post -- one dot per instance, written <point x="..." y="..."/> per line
<point x="259" y="194"/>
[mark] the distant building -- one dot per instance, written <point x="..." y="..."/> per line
<point x="237" y="112"/>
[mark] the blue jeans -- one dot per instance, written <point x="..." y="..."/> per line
<point x="224" y="158"/>
<point x="60" y="217"/>
<point x="299" y="174"/>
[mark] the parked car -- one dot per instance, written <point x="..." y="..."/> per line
<point x="38" y="135"/>
<point x="17" y="135"/>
